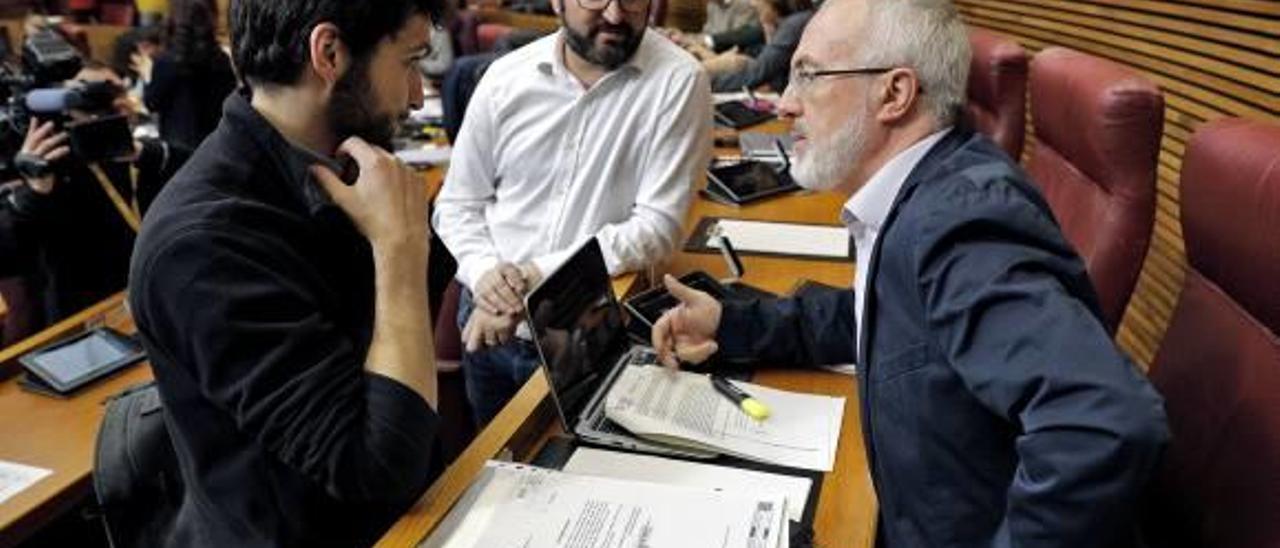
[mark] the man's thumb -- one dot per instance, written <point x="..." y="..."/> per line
<point x="683" y="292"/>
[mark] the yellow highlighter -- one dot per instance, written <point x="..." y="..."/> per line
<point x="751" y="406"/>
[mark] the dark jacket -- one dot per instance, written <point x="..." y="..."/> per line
<point x="772" y="65"/>
<point x="996" y="410"/>
<point x="184" y="98"/>
<point x="254" y="297"/>
<point x="73" y="245"/>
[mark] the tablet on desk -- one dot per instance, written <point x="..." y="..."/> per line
<point x="67" y="365"/>
<point x="749" y="181"/>
<point x="737" y="115"/>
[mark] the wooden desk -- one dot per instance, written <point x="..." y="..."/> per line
<point x="56" y="434"/>
<point x="846" y="510"/>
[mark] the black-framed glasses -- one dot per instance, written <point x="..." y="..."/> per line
<point x="802" y="78"/>
<point x="631" y="6"/>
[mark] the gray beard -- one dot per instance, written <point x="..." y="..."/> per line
<point x="826" y="165"/>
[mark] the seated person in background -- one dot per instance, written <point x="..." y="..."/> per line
<point x="60" y="228"/>
<point x="597" y="130"/>
<point x="190" y="77"/>
<point x="723" y="17"/>
<point x="996" y="409"/>
<point x="782" y="21"/>
<point x="284" y="311"/>
<point x="139" y="40"/>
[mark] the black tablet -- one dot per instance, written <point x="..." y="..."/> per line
<point x="748" y="181"/>
<point x="649" y="305"/>
<point x="71" y="363"/>
<point x="737" y="115"/>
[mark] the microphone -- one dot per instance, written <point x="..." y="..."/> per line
<point x="88" y="96"/>
<point x="44" y="101"/>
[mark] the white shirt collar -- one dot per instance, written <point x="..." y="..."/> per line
<point x="870" y="205"/>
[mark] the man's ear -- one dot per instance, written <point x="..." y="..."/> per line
<point x="899" y="93"/>
<point x="329" y="56"/>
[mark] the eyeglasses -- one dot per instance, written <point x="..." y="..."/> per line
<point x="631" y="6"/>
<point x="803" y="78"/>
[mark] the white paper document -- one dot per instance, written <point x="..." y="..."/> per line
<point x="425" y="155"/>
<point x="764" y="146"/>
<point x="725" y="97"/>
<point x="432" y="109"/>
<point x="682" y="408"/>
<point x="630" y="466"/>
<point x="14" y="478"/>
<point x="784" y="238"/>
<point x="521" y="506"/>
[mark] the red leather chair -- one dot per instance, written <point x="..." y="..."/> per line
<point x="1097" y="126"/>
<point x="998" y="89"/>
<point x="1218" y="366"/>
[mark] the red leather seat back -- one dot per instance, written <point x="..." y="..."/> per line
<point x="1218" y="366"/>
<point x="997" y="103"/>
<point x="1098" y="126"/>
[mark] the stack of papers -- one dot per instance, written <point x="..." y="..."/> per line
<point x="514" y="505"/>
<point x="683" y="409"/>
<point x="630" y="466"/>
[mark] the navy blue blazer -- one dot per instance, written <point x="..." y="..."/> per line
<point x="996" y="410"/>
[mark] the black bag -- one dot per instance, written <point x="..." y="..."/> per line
<point x="135" y="470"/>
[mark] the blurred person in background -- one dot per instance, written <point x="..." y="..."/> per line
<point x="185" y="83"/>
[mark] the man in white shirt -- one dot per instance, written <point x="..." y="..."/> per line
<point x="599" y="130"/>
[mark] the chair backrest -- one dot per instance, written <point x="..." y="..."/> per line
<point x="657" y="13"/>
<point x="997" y="104"/>
<point x="135" y="470"/>
<point x="1098" y="125"/>
<point x="1218" y="366"/>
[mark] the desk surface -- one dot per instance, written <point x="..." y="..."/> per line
<point x="846" y="510"/>
<point x="57" y="434"/>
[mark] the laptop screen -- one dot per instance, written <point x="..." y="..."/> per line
<point x="578" y="326"/>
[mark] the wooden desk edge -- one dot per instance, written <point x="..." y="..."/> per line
<point x="432" y="507"/>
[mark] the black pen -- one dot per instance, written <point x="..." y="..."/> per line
<point x="749" y="405"/>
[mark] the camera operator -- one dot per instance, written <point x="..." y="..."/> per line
<point x="63" y="228"/>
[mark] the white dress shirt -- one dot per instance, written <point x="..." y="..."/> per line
<point x="542" y="164"/>
<point x="867" y="209"/>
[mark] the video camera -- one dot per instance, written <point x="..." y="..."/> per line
<point x="35" y="89"/>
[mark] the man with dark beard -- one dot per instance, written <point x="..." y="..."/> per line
<point x="595" y="131"/>
<point x="285" y="310"/>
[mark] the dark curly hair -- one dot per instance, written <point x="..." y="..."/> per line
<point x="270" y="37"/>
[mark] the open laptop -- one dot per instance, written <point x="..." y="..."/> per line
<point x="581" y="335"/>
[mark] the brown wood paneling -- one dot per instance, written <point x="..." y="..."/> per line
<point x="1212" y="59"/>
